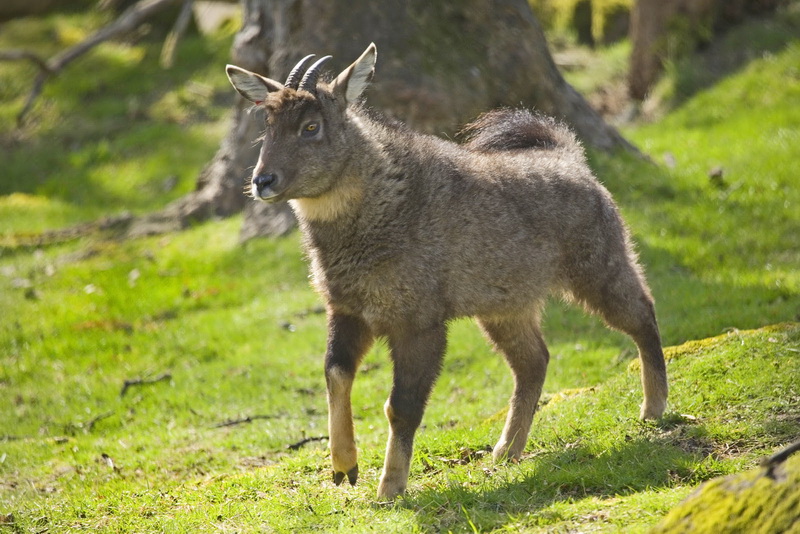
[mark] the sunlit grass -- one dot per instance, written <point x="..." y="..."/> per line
<point x="113" y="132"/>
<point x="234" y="330"/>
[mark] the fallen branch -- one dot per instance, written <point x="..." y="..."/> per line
<point x="771" y="462"/>
<point x="243" y="420"/>
<point x="316" y="310"/>
<point x="128" y="21"/>
<point x="113" y="224"/>
<point x="143" y="382"/>
<point x="89" y="425"/>
<point x="178" y="30"/>
<point x="109" y="227"/>
<point x="295" y="446"/>
<point x="18" y="55"/>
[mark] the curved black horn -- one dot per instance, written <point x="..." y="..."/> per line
<point x="294" y="77"/>
<point x="309" y="81"/>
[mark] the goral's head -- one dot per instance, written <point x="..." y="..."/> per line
<point x="305" y="144"/>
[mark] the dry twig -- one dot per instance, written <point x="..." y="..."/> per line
<point x="771" y="462"/>
<point x="295" y="446"/>
<point x="19" y="55"/>
<point x="142" y="382"/>
<point x="248" y="419"/>
<point x="89" y="425"/>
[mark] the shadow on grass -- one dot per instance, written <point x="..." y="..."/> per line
<point x="569" y="475"/>
<point x="687" y="306"/>
<point x="726" y="55"/>
<point x="708" y="257"/>
<point x="629" y="458"/>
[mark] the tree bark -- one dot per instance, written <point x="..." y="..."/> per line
<point x="665" y="29"/>
<point x="220" y="187"/>
<point x="10" y="9"/>
<point x="440" y="64"/>
<point x="651" y="25"/>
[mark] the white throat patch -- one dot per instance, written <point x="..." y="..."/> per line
<point x="329" y="206"/>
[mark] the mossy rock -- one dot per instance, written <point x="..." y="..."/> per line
<point x="751" y="502"/>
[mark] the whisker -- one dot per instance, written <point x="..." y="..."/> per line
<point x="260" y="138"/>
<point x="247" y="189"/>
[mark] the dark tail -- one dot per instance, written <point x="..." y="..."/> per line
<point x="517" y="129"/>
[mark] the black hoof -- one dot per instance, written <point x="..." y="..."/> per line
<point x="352" y="476"/>
<point x="338" y="476"/>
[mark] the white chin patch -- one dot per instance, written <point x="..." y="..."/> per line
<point x="266" y="194"/>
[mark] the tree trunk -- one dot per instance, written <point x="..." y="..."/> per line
<point x="219" y="190"/>
<point x="10" y="9"/>
<point x="658" y="29"/>
<point x="667" y="29"/>
<point x="440" y="64"/>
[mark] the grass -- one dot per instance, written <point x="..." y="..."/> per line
<point x="237" y="332"/>
<point x="82" y="456"/>
<point x="558" y="17"/>
<point x="113" y="132"/>
<point x="725" y="55"/>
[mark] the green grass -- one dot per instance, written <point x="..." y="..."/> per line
<point x="724" y="56"/>
<point x="113" y="132"/>
<point x="558" y="16"/>
<point x="238" y="331"/>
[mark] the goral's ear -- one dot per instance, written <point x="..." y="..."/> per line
<point x="250" y="85"/>
<point x="355" y="78"/>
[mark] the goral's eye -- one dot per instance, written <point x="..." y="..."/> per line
<point x="310" y="130"/>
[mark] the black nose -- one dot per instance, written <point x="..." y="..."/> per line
<point x="263" y="181"/>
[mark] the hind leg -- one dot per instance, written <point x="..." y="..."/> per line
<point x="653" y="368"/>
<point x="417" y="358"/>
<point x="626" y="305"/>
<point x="520" y="341"/>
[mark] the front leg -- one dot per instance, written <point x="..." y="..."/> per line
<point x="417" y="358"/>
<point x="349" y="338"/>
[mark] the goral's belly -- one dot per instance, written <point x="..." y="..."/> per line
<point x="382" y="301"/>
